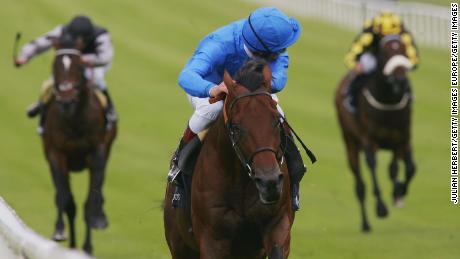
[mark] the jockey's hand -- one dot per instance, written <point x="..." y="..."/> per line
<point x="18" y="62"/>
<point x="218" y="89"/>
<point x="85" y="62"/>
<point x="359" y="69"/>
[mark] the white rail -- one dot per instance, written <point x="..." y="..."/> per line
<point x="428" y="23"/>
<point x="26" y="243"/>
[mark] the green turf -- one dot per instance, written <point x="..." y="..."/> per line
<point x="153" y="40"/>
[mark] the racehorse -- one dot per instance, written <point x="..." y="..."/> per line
<point x="75" y="138"/>
<point x="382" y="121"/>
<point x="240" y="203"/>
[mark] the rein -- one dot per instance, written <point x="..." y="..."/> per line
<point x="60" y="52"/>
<point x="246" y="163"/>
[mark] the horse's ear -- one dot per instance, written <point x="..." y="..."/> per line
<point x="267" y="73"/>
<point x="80" y="44"/>
<point x="228" y="80"/>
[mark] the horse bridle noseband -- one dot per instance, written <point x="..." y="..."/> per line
<point x="231" y="128"/>
<point x="75" y="52"/>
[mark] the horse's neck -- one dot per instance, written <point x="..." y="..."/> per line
<point x="79" y="118"/>
<point x="229" y="162"/>
<point x="84" y="100"/>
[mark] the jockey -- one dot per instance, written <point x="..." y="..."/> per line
<point x="362" y="55"/>
<point x="266" y="33"/>
<point x="97" y="52"/>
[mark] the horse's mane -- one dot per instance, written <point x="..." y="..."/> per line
<point x="66" y="41"/>
<point x="250" y="75"/>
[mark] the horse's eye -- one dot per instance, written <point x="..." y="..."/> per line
<point x="276" y="123"/>
<point x="235" y="131"/>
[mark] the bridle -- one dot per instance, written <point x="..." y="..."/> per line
<point x="279" y="154"/>
<point x="388" y="68"/>
<point x="65" y="86"/>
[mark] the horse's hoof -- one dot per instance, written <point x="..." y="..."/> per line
<point x="59" y="236"/>
<point x="399" y="202"/>
<point x="88" y="249"/>
<point x="366" y="228"/>
<point x="382" y="211"/>
<point x="399" y="190"/>
<point x="99" y="222"/>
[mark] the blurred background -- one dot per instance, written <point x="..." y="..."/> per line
<point x="153" y="40"/>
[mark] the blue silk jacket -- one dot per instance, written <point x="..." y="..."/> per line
<point x="222" y="50"/>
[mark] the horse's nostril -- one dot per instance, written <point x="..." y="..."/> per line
<point x="280" y="177"/>
<point x="257" y="180"/>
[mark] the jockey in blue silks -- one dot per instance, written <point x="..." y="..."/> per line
<point x="266" y="33"/>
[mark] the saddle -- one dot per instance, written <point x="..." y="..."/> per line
<point x="47" y="93"/>
<point x="101" y="97"/>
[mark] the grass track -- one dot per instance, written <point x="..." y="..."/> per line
<point x="153" y="40"/>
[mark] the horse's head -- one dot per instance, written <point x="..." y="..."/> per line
<point x="253" y="123"/>
<point x="393" y="63"/>
<point x="68" y="74"/>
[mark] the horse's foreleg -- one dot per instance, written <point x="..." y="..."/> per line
<point x="397" y="185"/>
<point x="88" y="246"/>
<point x="381" y="209"/>
<point x="94" y="213"/>
<point x="353" y="162"/>
<point x="211" y="247"/>
<point x="71" y="211"/>
<point x="276" y="253"/>
<point x="410" y="172"/>
<point x="277" y="239"/>
<point x="63" y="197"/>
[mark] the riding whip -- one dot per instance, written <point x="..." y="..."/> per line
<point x="15" y="48"/>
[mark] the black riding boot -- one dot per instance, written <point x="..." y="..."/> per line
<point x="183" y="160"/>
<point x="41" y="122"/>
<point x="175" y="177"/>
<point x="174" y="166"/>
<point x="110" y="113"/>
<point x="296" y="167"/>
<point x="351" y="102"/>
<point x="34" y="109"/>
<point x="37" y="108"/>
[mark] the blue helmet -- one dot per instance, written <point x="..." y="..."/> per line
<point x="268" y="29"/>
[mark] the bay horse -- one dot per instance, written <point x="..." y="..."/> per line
<point x="75" y="138"/>
<point x="240" y="203"/>
<point x="382" y="121"/>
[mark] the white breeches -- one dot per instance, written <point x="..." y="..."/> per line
<point x="206" y="113"/>
<point x="96" y="76"/>
<point x="368" y="61"/>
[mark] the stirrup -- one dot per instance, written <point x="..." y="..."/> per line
<point x="40" y="130"/>
<point x="111" y="117"/>
<point x="295" y="197"/>
<point x="174" y="170"/>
